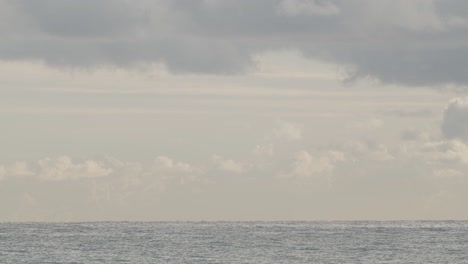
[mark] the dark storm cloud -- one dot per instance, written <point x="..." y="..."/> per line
<point x="83" y="18"/>
<point x="420" y="42"/>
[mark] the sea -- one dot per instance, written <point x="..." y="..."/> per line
<point x="235" y="242"/>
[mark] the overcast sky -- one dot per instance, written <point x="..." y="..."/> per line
<point x="233" y="110"/>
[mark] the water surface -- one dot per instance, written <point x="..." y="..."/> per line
<point x="235" y="242"/>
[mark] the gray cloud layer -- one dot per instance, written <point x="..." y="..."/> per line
<point x="420" y="42"/>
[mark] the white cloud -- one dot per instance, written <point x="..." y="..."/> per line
<point x="381" y="152"/>
<point x="63" y="168"/>
<point x="288" y="131"/>
<point x="231" y="166"/>
<point x="307" y="165"/>
<point x="264" y="151"/>
<point x="368" y="150"/>
<point x="169" y="169"/>
<point x="307" y="7"/>
<point x="448" y="173"/>
<point x="19" y="169"/>
<point x="166" y="164"/>
<point x="445" y="151"/>
<point x="124" y="167"/>
<point x="336" y="156"/>
<point x="228" y="165"/>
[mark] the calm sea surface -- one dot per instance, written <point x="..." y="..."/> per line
<point x="235" y="242"/>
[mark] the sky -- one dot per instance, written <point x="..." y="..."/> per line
<point x="158" y="110"/>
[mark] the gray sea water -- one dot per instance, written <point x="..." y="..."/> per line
<point x="235" y="242"/>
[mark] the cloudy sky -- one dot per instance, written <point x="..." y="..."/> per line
<point x="233" y="110"/>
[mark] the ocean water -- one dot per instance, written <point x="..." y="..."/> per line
<point x="235" y="242"/>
